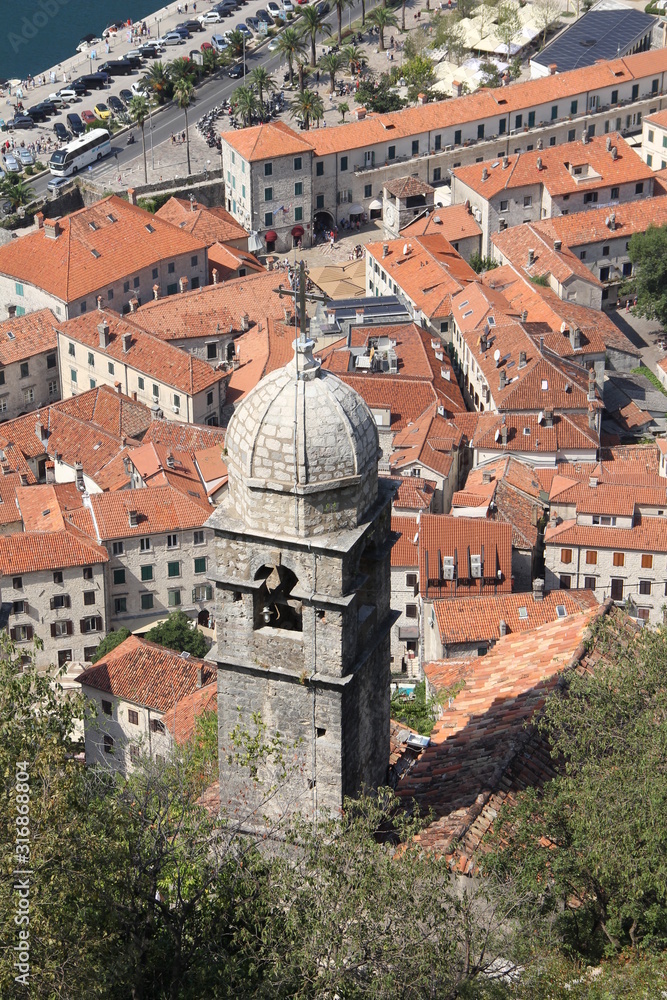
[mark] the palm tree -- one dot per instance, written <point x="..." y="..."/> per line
<point x="181" y="70"/>
<point x="382" y="19"/>
<point x="138" y="109"/>
<point x="159" y="81"/>
<point x="184" y="95"/>
<point x="313" y="24"/>
<point x="354" y="55"/>
<point x="301" y="67"/>
<point x="235" y="41"/>
<point x="210" y="60"/>
<point x="331" y="63"/>
<point x="341" y="5"/>
<point x="245" y="102"/>
<point x="262" y="81"/>
<point x="344" y="109"/>
<point x="307" y="105"/>
<point x="291" y="46"/>
<point x="16" y="191"/>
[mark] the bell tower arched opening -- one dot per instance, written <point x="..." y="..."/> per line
<point x="273" y="605"/>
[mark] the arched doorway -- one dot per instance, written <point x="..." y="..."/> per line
<point x="324" y="223"/>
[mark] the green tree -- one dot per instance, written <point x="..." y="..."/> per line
<point x="139" y="113"/>
<point x="182" y="69"/>
<point x="307" y="106"/>
<point x="177" y="632"/>
<point x="545" y="13"/>
<point x="291" y="47"/>
<point x="312" y="25"/>
<point x="379" y="95"/>
<point x="184" y="96"/>
<point x="479" y="263"/>
<point x="343" y="109"/>
<point x="354" y="56"/>
<point x="418" y="711"/>
<point x="588" y="852"/>
<point x="448" y="35"/>
<point x="236" y="44"/>
<point x="332" y="63"/>
<point x="509" y="24"/>
<point x="490" y="75"/>
<point x="109" y="642"/>
<point x="246" y="103"/>
<point x="262" y="81"/>
<point x="16" y="191"/>
<point x="382" y="18"/>
<point x="158" y="80"/>
<point x="419" y="75"/>
<point x="341" y="5"/>
<point x="648" y="253"/>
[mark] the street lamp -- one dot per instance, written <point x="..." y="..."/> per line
<point x="150" y="121"/>
<point x="159" y="22"/>
<point x="243" y="33"/>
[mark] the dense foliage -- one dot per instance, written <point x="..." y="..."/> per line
<point x="648" y="253"/>
<point x="177" y="632"/>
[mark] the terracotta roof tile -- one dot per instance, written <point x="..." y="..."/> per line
<point x="24" y="336"/>
<point x="184" y="437"/>
<point x="180" y="718"/>
<point x="405" y="551"/>
<point x="209" y="224"/>
<point x="262" y="142"/>
<point x="158" y="510"/>
<point x="515" y="243"/>
<point x="649" y="534"/>
<point x="30" y="552"/>
<point x="569" y="431"/>
<point x="407" y="187"/>
<point x="454" y="222"/>
<point x="414" y="493"/>
<point x="147" y="674"/>
<point x="441" y="535"/>
<point x="228" y="260"/>
<point x="593" y="226"/>
<point x="68" y="268"/>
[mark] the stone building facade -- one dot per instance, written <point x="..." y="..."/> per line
<point x="302" y="576"/>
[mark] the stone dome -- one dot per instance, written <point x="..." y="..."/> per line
<point x="302" y="451"/>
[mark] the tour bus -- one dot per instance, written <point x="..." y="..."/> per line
<point x="88" y="148"/>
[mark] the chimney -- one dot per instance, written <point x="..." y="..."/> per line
<point x="531" y="258"/>
<point x="127" y="340"/>
<point x="486" y="476"/>
<point x="558" y="245"/>
<point x="215" y="274"/>
<point x="522" y="359"/>
<point x="156" y="292"/>
<point x="506" y="162"/>
<point x="421" y="98"/>
<point x="99" y="303"/>
<point x="170" y="460"/>
<point x="126" y="465"/>
<point x="51" y="229"/>
<point x="183" y="284"/>
<point x="524" y="315"/>
<point x="245" y="322"/>
<point x="287" y="315"/>
<point x="540" y="144"/>
<point x="23" y="477"/>
<point x="360" y="113"/>
<point x="200" y="675"/>
<point x="608" y="143"/>
<point x="539" y="163"/>
<point x="611" y="221"/>
<point x="548" y="418"/>
<point x="538" y="589"/>
<point x="593" y="482"/>
<point x="503" y="435"/>
<point x="359" y="316"/>
<point x="133" y="518"/>
<point x="503" y="379"/>
<point x="485" y="173"/>
<point x="78" y="475"/>
<point x="591" y="385"/>
<point x="6" y="467"/>
<point x="553" y="520"/>
<point x="584" y="137"/>
<point x="385" y="249"/>
<point x="591" y="419"/>
<point x="502" y="627"/>
<point x="39" y="219"/>
<point x="552" y="69"/>
<point x="41" y="431"/>
<point x="103" y="330"/>
<point x="457" y="88"/>
<point x="614" y="153"/>
<point x="134" y="304"/>
<point x="50" y="471"/>
<point x="131" y="196"/>
<point x="117" y="386"/>
<point x="11" y="311"/>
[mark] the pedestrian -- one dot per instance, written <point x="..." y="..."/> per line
<point x="186" y="8"/>
<point x="183" y="136"/>
<point x="116" y="154"/>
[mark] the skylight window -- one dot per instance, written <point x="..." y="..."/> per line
<point x="560" y="611"/>
<point x="467" y="313"/>
<point x="526" y="431"/>
<point x="93" y="226"/>
<point x="491" y="321"/>
<point x="464" y="303"/>
<point x="523" y="612"/>
<point x="10" y="335"/>
<point x="111" y="218"/>
<point x="96" y="254"/>
<point x="149" y="228"/>
<point x="545" y="385"/>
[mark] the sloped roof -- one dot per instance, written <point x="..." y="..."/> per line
<point x="158" y="510"/>
<point x="211" y="224"/>
<point x="454" y="222"/>
<point x="441" y="535"/>
<point x="24" y="336"/>
<point x="404" y="552"/>
<point x="262" y="142"/>
<point x="32" y="551"/>
<point x="180" y="718"/>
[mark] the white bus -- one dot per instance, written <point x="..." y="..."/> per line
<point x="80" y="152"/>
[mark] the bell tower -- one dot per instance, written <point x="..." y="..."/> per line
<point x="302" y="580"/>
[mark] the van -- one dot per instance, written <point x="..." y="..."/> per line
<point x="75" y="124"/>
<point x="173" y="38"/>
<point x="95" y="81"/>
<point x="117" y="67"/>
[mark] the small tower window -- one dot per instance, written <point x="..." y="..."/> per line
<point x="274" y="607"/>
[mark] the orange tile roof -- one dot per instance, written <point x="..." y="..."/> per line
<point x="474" y="619"/>
<point x="24" y="336"/>
<point x="147" y="674"/>
<point x="159" y="510"/>
<point x="631" y="418"/>
<point x="430" y="273"/>
<point x="262" y="142"/>
<point x="514" y="244"/>
<point x="111" y="410"/>
<point x="569" y="431"/>
<point x="9" y="511"/>
<point x="442" y="535"/>
<point x="429" y="440"/>
<point x="184" y="437"/>
<point x="34" y="551"/>
<point x="211" y="224"/>
<point x="146" y="353"/>
<point x="213" y="310"/>
<point x="484" y="735"/>
<point x="522" y="169"/>
<point x="408" y="187"/>
<point x="228" y="260"/>
<point x="607" y="497"/>
<point x="454" y="222"/>
<point x="180" y="718"/>
<point x="160" y="465"/>
<point x="660" y="182"/>
<point x="414" y="493"/>
<point x="658" y="118"/>
<point x="92" y="252"/>
<point x="405" y="551"/>
<point x="517" y="495"/>
<point x="406" y="399"/>
<point x="592" y="226"/>
<point x="648" y="535"/>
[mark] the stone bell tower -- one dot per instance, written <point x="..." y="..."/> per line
<point x="302" y="577"/>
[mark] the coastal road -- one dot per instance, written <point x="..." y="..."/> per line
<point x="170" y="120"/>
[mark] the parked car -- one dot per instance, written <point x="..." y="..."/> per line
<point x="261" y="15"/>
<point x="12" y="165"/>
<point x="126" y="96"/>
<point x="174" y="38"/>
<point x="323" y="8"/>
<point x="237" y="70"/>
<point x="288" y="6"/>
<point x="20" y="121"/>
<point x="50" y="107"/>
<point x="210" y="17"/>
<point x="61" y="132"/>
<point x="56" y="183"/>
<point x="228" y="11"/>
<point x="219" y="43"/>
<point x="140" y="89"/>
<point x="252" y="22"/>
<point x="88" y="117"/>
<point x="66" y="95"/>
<point x="75" y="123"/>
<point x="273" y="44"/>
<point x="149" y="51"/>
<point x="78" y="86"/>
<point x="116" y="105"/>
<point x="183" y="32"/>
<point x="37" y="114"/>
<point x="193" y="25"/>
<point x="244" y="29"/>
<point x="102" y="112"/>
<point x="27" y="158"/>
<point x="59" y="101"/>
<point x="273" y="9"/>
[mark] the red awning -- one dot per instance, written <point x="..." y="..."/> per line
<point x="271" y="237"/>
<point x="298" y="232"/>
